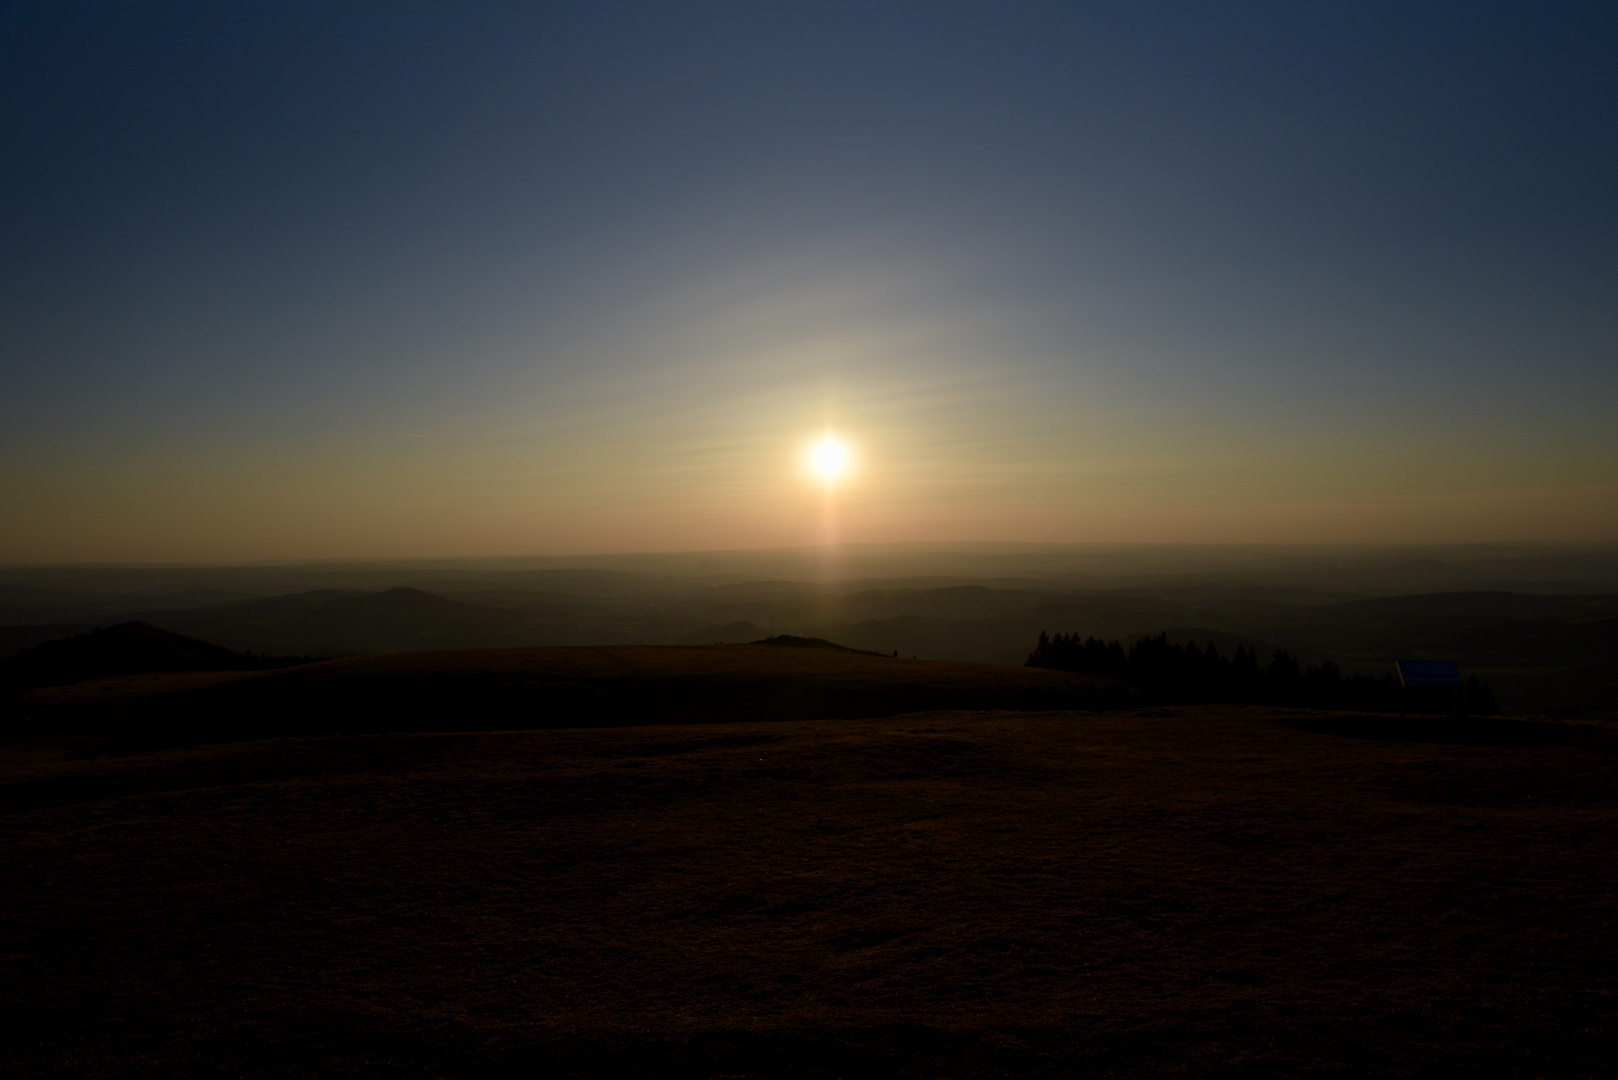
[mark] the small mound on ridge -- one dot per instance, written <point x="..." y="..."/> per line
<point x="790" y="641"/>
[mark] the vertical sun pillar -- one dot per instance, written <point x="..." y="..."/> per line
<point x="828" y="461"/>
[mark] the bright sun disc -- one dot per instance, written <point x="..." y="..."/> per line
<point x="829" y="458"/>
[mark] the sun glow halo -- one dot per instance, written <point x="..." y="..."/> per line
<point x="828" y="458"/>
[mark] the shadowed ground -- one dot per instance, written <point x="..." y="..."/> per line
<point x="1177" y="892"/>
<point x="482" y="689"/>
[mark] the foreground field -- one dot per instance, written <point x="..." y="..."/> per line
<point x="482" y="689"/>
<point x="1187" y="892"/>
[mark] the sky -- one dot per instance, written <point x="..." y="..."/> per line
<point x="325" y="280"/>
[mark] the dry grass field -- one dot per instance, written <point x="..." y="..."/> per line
<point x="484" y="689"/>
<point x="1175" y="892"/>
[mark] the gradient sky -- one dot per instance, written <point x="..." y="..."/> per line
<point x="290" y="280"/>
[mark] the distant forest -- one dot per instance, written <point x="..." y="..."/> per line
<point x="1187" y="675"/>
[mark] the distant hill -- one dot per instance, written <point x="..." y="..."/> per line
<point x="130" y="648"/>
<point x="338" y="622"/>
<point x="739" y="632"/>
<point x="1486" y="629"/>
<point x="1541" y="654"/>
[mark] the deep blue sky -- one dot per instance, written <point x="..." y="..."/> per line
<point x="284" y="280"/>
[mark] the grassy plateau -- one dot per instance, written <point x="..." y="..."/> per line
<point x="801" y="864"/>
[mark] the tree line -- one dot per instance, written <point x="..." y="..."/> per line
<point x="1188" y="675"/>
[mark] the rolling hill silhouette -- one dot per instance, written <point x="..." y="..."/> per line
<point x="1542" y="653"/>
<point x="129" y="648"/>
<point x="330" y="621"/>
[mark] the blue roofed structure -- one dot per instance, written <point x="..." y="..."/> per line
<point x="1428" y="673"/>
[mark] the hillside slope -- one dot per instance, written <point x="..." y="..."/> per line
<point x="125" y="649"/>
<point x="486" y="689"/>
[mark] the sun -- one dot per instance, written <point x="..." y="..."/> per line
<point x="828" y="458"/>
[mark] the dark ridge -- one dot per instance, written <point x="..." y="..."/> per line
<point x="510" y="689"/>
<point x="791" y="641"/>
<point x="131" y="648"/>
<point x="1186" y="675"/>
